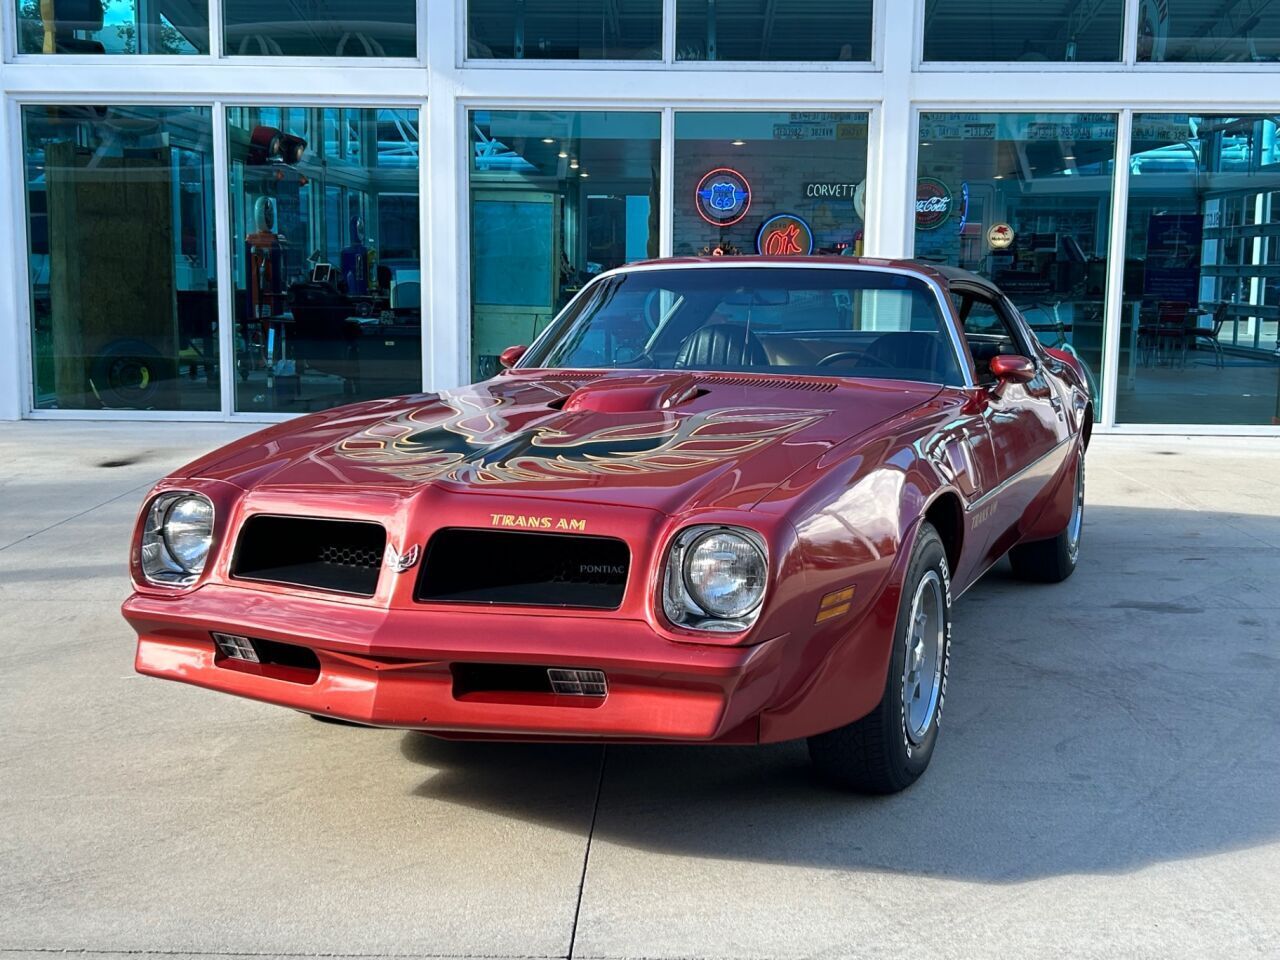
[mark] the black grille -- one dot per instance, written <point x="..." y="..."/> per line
<point x="339" y="555"/>
<point x="530" y="569"/>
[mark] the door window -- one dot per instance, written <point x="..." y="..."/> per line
<point x="988" y="331"/>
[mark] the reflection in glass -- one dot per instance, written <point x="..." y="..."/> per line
<point x="327" y="263"/>
<point x="778" y="183"/>
<point x="1199" y="341"/>
<point x="1196" y="31"/>
<point x="556" y="198"/>
<point x="553" y="30"/>
<point x="113" y="26"/>
<point x="1025" y="200"/>
<point x="1011" y="31"/>
<point x="122" y="274"/>
<point x="850" y="323"/>
<point x="308" y="28"/>
<point x="771" y="31"/>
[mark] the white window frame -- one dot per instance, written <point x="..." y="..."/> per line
<point x="216" y="54"/>
<point x="668" y="60"/>
<point x="444" y="85"/>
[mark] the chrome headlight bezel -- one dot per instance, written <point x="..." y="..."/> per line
<point x="160" y="564"/>
<point x="679" y="597"/>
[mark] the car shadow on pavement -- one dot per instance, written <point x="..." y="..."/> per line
<point x="1123" y="718"/>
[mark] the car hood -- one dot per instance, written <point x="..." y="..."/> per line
<point x="667" y="441"/>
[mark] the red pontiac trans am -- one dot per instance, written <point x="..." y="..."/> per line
<point x="719" y="501"/>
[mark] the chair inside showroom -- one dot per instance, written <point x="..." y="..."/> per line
<point x="1165" y="337"/>
<point x="1210" y="337"/>
<point x="197" y="332"/>
<point x="406" y="295"/>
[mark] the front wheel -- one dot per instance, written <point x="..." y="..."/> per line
<point x="887" y="750"/>
<point x="1053" y="560"/>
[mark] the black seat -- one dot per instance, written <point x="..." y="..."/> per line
<point x="721" y="345"/>
<point x="984" y="351"/>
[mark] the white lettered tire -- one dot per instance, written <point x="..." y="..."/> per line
<point x="887" y="750"/>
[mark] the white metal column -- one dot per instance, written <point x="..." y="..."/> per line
<point x="1113" y="319"/>
<point x="666" y="184"/>
<point x="891" y="156"/>
<point x="225" y="271"/>
<point x="13" y="258"/>
<point x="446" y="313"/>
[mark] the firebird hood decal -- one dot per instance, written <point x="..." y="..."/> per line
<point x="725" y="446"/>
<point x="467" y="438"/>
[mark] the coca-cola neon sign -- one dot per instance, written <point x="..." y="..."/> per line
<point x="933" y="203"/>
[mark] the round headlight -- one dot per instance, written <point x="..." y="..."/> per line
<point x="725" y="574"/>
<point x="188" y="532"/>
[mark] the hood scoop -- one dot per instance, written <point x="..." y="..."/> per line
<point x="633" y="394"/>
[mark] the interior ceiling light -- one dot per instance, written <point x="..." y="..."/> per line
<point x="563" y="155"/>
<point x="738" y="143"/>
<point x="573" y="164"/>
<point x="548" y="140"/>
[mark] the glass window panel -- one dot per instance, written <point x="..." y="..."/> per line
<point x="1025" y="200"/>
<point x="1198" y="338"/>
<point x="556" y="198"/>
<point x="311" y="28"/>
<point x="560" y="30"/>
<point x="647" y="319"/>
<point x="113" y="26"/>
<point x="326" y="257"/>
<point x="780" y="183"/>
<point x="1209" y="31"/>
<point x="1016" y="31"/>
<point x="773" y="30"/>
<point x="120" y="251"/>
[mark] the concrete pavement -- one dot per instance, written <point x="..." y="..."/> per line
<point x="1107" y="783"/>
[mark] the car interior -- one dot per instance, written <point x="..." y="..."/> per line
<point x="855" y="324"/>
<point x="987" y="330"/>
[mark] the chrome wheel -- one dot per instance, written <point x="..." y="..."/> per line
<point x="922" y="671"/>
<point x="1077" y="514"/>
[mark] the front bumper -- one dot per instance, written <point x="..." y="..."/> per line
<point x="393" y="667"/>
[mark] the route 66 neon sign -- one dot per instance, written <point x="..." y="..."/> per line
<point x="723" y="197"/>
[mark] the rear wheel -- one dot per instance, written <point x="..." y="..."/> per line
<point x="1053" y="560"/>
<point x="887" y="750"/>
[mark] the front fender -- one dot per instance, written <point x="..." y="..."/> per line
<point x="846" y="679"/>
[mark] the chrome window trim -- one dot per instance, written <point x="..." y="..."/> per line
<point x="940" y="296"/>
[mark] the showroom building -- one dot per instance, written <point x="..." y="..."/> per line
<point x="251" y="209"/>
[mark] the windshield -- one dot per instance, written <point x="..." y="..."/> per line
<point x="832" y="322"/>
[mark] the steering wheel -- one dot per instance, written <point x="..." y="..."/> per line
<point x="840" y="355"/>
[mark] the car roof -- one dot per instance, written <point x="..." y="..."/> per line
<point x="941" y="273"/>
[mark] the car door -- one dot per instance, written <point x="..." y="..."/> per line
<point x="1024" y="420"/>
